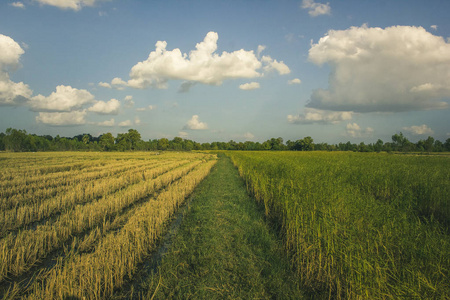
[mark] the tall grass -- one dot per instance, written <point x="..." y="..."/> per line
<point x="362" y="226"/>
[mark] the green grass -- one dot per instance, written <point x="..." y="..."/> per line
<point x="224" y="248"/>
<point x="362" y="226"/>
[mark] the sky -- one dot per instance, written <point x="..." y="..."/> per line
<point x="227" y="70"/>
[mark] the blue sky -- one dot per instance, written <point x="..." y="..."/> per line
<point x="222" y="70"/>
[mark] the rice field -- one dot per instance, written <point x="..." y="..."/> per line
<point x="356" y="225"/>
<point x="78" y="224"/>
<point x="353" y="225"/>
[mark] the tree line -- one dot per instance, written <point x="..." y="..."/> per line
<point x="18" y="140"/>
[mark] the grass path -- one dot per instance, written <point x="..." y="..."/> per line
<point x="223" y="249"/>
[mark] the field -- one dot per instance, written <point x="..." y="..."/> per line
<point x="78" y="224"/>
<point x="372" y="226"/>
<point x="280" y="225"/>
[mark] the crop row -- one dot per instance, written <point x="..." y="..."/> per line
<point x="33" y="193"/>
<point x="79" y="194"/>
<point x="96" y="275"/>
<point x="358" y="225"/>
<point x="19" y="252"/>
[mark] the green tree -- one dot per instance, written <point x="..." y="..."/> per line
<point x="133" y="137"/>
<point x="447" y="145"/>
<point x="378" y="145"/>
<point x="163" y="144"/>
<point x="429" y="142"/>
<point x="15" y="140"/>
<point x="107" y="141"/>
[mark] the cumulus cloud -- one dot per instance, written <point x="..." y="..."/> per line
<point x="107" y="123"/>
<point x="11" y="93"/>
<point x="65" y="98"/>
<point x="125" y="123"/>
<point x="202" y="65"/>
<point x="311" y="116"/>
<point x="274" y="65"/>
<point x="62" y="118"/>
<point x="18" y="4"/>
<point x="355" y="131"/>
<point x="261" y="48"/>
<point x="105" y="85"/>
<point x="294" y="81"/>
<point x="75" y="5"/>
<point x="129" y="101"/>
<point x="195" y="124"/>
<point x="249" y="86"/>
<point x="419" y="130"/>
<point x="150" y="107"/>
<point x="118" y="84"/>
<point x="106" y="108"/>
<point x="400" y="68"/>
<point x="435" y="27"/>
<point x="137" y="121"/>
<point x="316" y="9"/>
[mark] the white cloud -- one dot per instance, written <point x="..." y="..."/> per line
<point x="419" y="130"/>
<point x="150" y="107"/>
<point x="18" y="4"/>
<point x="195" y="124"/>
<point x="118" y="84"/>
<point x="75" y="5"/>
<point x="106" y="108"/>
<point x="249" y="86"/>
<point x="316" y="9"/>
<point x="129" y="103"/>
<point x="202" y="65"/>
<point x="137" y="121"/>
<point x="261" y="48"/>
<point x="105" y="84"/>
<point x="62" y="118"/>
<point x="435" y="27"/>
<point x="125" y="123"/>
<point x="273" y="64"/>
<point x="107" y="123"/>
<point x="355" y="131"/>
<point x="311" y="115"/>
<point x="400" y="68"/>
<point x="11" y="93"/>
<point x="65" y="98"/>
<point x="294" y="81"/>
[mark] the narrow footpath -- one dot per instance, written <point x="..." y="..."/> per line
<point x="223" y="249"/>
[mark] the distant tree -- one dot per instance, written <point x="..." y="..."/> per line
<point x="107" y="141"/>
<point x="429" y="142"/>
<point x="447" y="145"/>
<point x="2" y="142"/>
<point x="15" y="140"/>
<point x="134" y="137"/>
<point x="378" y="146"/>
<point x="163" y="144"/>
<point x="86" y="139"/>
<point x="400" y="142"/>
<point x="188" y="145"/>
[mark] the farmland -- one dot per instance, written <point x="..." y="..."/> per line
<point x="261" y="225"/>
<point x="358" y="226"/>
<point x="78" y="224"/>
